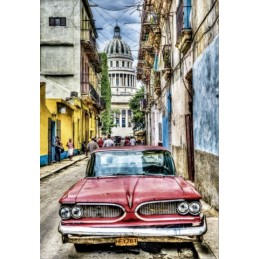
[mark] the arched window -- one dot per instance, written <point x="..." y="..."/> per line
<point x="123" y="118"/>
<point x="122" y="63"/>
<point x="117" y="63"/>
<point x="129" y="118"/>
<point x="117" y="119"/>
<point x="111" y="64"/>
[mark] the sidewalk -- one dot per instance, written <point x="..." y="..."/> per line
<point x="56" y="167"/>
<point x="211" y="238"/>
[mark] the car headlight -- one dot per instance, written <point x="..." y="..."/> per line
<point x="183" y="208"/>
<point x="77" y="212"/>
<point x="195" y="208"/>
<point x="65" y="212"/>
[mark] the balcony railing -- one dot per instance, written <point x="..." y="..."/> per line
<point x="88" y="90"/>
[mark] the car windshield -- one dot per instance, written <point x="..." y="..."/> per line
<point x="131" y="163"/>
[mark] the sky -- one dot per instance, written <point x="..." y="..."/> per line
<point x="126" y="14"/>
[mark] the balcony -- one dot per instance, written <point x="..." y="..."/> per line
<point x="89" y="93"/>
<point x="89" y="46"/>
<point x="184" y="31"/>
<point x="167" y="56"/>
<point x="157" y="84"/>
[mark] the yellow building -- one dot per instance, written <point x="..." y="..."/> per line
<point x="66" y="119"/>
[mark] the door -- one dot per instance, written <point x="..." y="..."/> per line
<point x="51" y="140"/>
<point x="190" y="146"/>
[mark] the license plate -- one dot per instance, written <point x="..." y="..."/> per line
<point x="127" y="241"/>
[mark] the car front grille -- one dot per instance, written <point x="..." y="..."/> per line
<point x="102" y="211"/>
<point x="158" y="208"/>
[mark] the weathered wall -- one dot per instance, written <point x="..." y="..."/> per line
<point x="180" y="159"/>
<point x="60" y="46"/>
<point x="206" y="122"/>
<point x="45" y="114"/>
<point x="205" y="99"/>
<point x="207" y="176"/>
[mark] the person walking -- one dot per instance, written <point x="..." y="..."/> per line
<point x="127" y="142"/>
<point x="108" y="142"/>
<point x="100" y="142"/>
<point x="58" y="146"/>
<point x="91" y="146"/>
<point x="83" y="148"/>
<point x="133" y="141"/>
<point x="70" y="146"/>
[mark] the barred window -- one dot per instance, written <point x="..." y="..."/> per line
<point x="57" y="21"/>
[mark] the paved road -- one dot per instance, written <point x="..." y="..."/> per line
<point x="52" y="189"/>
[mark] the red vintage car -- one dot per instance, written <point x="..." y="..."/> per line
<point x="130" y="195"/>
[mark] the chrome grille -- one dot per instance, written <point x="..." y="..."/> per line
<point x="158" y="208"/>
<point x="102" y="211"/>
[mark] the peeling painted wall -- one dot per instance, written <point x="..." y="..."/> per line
<point x="205" y="100"/>
<point x="206" y="123"/>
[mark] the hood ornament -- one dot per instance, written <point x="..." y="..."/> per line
<point x="129" y="197"/>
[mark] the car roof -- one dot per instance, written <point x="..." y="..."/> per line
<point x="127" y="148"/>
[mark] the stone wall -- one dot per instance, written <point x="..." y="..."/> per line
<point x="207" y="177"/>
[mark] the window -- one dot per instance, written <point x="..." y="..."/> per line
<point x="122" y="63"/>
<point x="129" y="118"/>
<point x="117" y="120"/>
<point x="183" y="16"/>
<point x="117" y="63"/>
<point x="111" y="64"/>
<point x="57" y="21"/>
<point x="123" y="121"/>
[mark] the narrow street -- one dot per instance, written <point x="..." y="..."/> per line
<point x="52" y="188"/>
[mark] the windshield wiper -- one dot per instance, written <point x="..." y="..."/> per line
<point x="151" y="174"/>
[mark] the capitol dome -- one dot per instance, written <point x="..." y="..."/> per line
<point x="117" y="47"/>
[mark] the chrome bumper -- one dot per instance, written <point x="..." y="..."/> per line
<point x="133" y="231"/>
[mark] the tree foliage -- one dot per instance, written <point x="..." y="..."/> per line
<point x="106" y="95"/>
<point x="138" y="116"/>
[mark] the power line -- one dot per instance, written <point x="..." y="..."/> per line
<point x="112" y="10"/>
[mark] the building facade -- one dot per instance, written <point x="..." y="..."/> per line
<point x="178" y="64"/>
<point x="70" y="70"/>
<point x="123" y="83"/>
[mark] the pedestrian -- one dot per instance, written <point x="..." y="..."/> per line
<point x="83" y="148"/>
<point x="108" y="142"/>
<point x="127" y="142"/>
<point x="92" y="145"/>
<point x="133" y="141"/>
<point x="100" y="142"/>
<point x="70" y="146"/>
<point x="58" y="148"/>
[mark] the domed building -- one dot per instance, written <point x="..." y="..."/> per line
<point x="123" y="83"/>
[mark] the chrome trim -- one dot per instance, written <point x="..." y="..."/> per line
<point x="70" y="209"/>
<point x="134" y="231"/>
<point x="184" y="212"/>
<point x="73" y="216"/>
<point x="99" y="203"/>
<point x="199" y="209"/>
<point x="154" y="218"/>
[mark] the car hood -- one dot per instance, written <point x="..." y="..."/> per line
<point x="129" y="191"/>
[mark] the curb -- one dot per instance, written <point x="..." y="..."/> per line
<point x="203" y="250"/>
<point x="61" y="168"/>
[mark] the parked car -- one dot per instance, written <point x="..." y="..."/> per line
<point x="130" y="195"/>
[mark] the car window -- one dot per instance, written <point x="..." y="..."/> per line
<point x="132" y="162"/>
